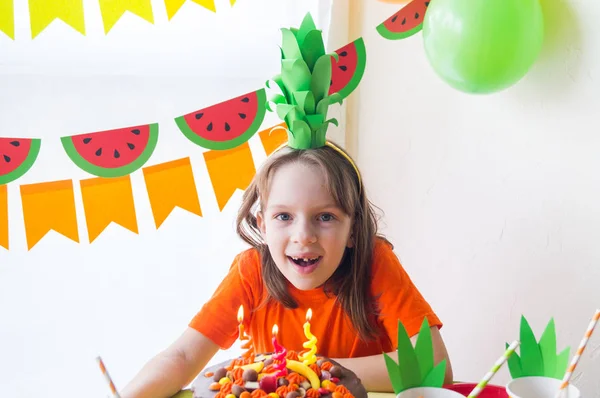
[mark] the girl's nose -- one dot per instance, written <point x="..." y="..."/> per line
<point x="304" y="233"/>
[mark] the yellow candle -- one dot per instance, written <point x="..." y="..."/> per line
<point x="248" y="346"/>
<point x="309" y="357"/>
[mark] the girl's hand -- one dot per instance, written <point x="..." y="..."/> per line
<point x="174" y="368"/>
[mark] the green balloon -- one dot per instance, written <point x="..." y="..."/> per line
<point x="483" y="46"/>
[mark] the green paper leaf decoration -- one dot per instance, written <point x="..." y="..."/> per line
<point x="514" y="364"/>
<point x="562" y="363"/>
<point x="284" y="109"/>
<point x="548" y="348"/>
<point x="295" y="75"/>
<point x="302" y="136"/>
<point x="306" y="101"/>
<point x="321" y="78"/>
<point x="304" y="83"/>
<point x="307" y="26"/>
<point x="407" y="360"/>
<point x="315" y="121"/>
<point x="424" y="349"/>
<point x="538" y="359"/>
<point x="324" y="104"/>
<point x="313" y="48"/>
<point x="276" y="99"/>
<point x="408" y="372"/>
<point x="290" y="48"/>
<point x="279" y="81"/>
<point x="394" y="374"/>
<point x="435" y="377"/>
<point x="531" y="356"/>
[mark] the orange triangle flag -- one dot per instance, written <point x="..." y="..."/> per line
<point x="230" y="170"/>
<point x="3" y="217"/>
<point x="273" y="137"/>
<point x="107" y="200"/>
<point x="49" y="206"/>
<point x="171" y="185"/>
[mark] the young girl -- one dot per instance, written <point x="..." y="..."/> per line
<point x="314" y="245"/>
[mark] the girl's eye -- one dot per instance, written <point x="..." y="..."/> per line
<point x="283" y="217"/>
<point x="327" y="217"/>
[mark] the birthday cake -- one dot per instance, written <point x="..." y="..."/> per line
<point x="260" y="376"/>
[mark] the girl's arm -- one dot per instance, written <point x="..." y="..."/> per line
<point x="174" y="368"/>
<point x="373" y="372"/>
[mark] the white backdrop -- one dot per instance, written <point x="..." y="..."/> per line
<point x="125" y="296"/>
<point x="493" y="201"/>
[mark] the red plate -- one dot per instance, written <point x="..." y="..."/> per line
<point x="489" y="391"/>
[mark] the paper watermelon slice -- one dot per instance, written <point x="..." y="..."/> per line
<point x="17" y="155"/>
<point x="227" y="124"/>
<point x="112" y="153"/>
<point x="406" y="22"/>
<point x="348" y="70"/>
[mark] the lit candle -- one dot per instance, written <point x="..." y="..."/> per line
<point x="243" y="336"/>
<point x="309" y="357"/>
<point x="279" y="357"/>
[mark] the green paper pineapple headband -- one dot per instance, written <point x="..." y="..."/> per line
<point x="304" y="82"/>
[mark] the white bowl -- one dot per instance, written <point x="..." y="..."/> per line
<point x="429" y="392"/>
<point x="539" y="387"/>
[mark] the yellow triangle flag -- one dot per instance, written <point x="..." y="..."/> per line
<point x="49" y="206"/>
<point x="174" y="5"/>
<point x="273" y="137"/>
<point x="3" y="217"/>
<point x="107" y="200"/>
<point x="171" y="185"/>
<point x="113" y="10"/>
<point x="230" y="170"/>
<point x="232" y="2"/>
<point x="7" y="18"/>
<point x="43" y="12"/>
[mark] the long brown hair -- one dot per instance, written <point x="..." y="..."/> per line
<point x="351" y="282"/>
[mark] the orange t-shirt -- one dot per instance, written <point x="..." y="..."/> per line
<point x="243" y="285"/>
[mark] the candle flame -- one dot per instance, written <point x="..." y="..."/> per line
<point x="240" y="316"/>
<point x="275" y="330"/>
<point x="308" y="315"/>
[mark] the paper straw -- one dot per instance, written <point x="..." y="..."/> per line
<point x="486" y="379"/>
<point x="582" y="345"/>
<point x="108" y="379"/>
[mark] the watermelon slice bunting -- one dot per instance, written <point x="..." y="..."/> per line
<point x="348" y="71"/>
<point x="112" y="153"/>
<point x="406" y="22"/>
<point x="227" y="124"/>
<point x="17" y="155"/>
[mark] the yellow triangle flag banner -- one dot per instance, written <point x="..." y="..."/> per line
<point x="7" y="18"/>
<point x="229" y="170"/>
<point x="107" y="200"/>
<point x="232" y="2"/>
<point x="49" y="206"/>
<point x="3" y="217"/>
<point x="174" y="5"/>
<point x="113" y="10"/>
<point x="171" y="185"/>
<point x="43" y="12"/>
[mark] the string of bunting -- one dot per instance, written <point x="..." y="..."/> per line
<point x="224" y="129"/>
<point x="43" y="12"/>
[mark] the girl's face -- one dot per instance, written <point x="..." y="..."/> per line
<point x="305" y="231"/>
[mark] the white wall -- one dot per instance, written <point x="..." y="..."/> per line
<point x="125" y="296"/>
<point x="493" y="202"/>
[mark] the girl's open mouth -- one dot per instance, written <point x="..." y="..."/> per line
<point x="304" y="262"/>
